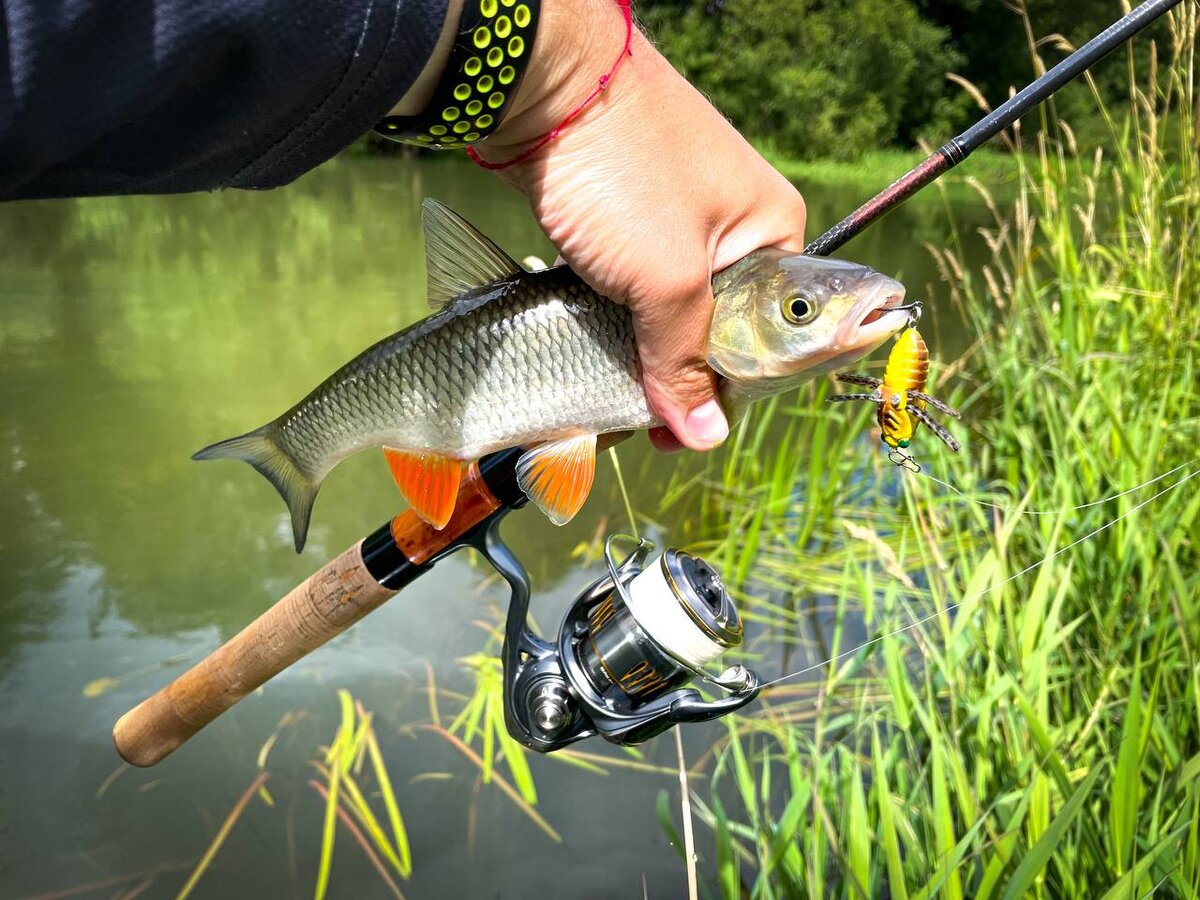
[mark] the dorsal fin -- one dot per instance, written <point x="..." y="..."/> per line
<point x="458" y="257"/>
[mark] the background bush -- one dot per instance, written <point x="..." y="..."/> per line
<point x="835" y="78"/>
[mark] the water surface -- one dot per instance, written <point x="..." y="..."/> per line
<point x="134" y="331"/>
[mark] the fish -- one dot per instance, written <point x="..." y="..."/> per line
<point x="539" y="360"/>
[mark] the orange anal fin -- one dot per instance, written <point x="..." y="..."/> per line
<point x="558" y="475"/>
<point x="428" y="482"/>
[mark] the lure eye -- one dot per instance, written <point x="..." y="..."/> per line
<point x="903" y="443"/>
<point x="799" y="309"/>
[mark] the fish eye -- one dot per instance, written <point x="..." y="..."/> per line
<point x="799" y="309"/>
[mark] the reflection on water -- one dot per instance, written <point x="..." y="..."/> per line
<point x="136" y="330"/>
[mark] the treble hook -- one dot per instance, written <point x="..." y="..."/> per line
<point x="904" y="461"/>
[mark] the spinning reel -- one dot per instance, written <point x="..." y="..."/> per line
<point x="626" y="650"/>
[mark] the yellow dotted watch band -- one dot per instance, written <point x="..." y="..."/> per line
<point x="491" y="51"/>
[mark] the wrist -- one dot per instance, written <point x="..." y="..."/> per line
<point x="578" y="42"/>
<point x="475" y="89"/>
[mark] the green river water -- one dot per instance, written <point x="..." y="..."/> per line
<point x="134" y="331"/>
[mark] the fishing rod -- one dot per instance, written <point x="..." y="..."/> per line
<point x="955" y="150"/>
<point x="629" y="646"/>
<point x="625" y="653"/>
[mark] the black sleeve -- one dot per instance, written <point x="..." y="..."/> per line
<point x="160" y="96"/>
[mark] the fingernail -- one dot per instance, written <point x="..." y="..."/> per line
<point x="706" y="424"/>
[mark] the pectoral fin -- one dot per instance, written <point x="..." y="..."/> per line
<point x="428" y="482"/>
<point x="558" y="475"/>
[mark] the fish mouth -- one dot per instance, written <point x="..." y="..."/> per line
<point x="892" y="300"/>
<point x="873" y="319"/>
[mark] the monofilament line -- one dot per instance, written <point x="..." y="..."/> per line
<point x="1055" y="512"/>
<point x="985" y="591"/>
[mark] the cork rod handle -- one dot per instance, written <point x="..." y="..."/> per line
<point x="322" y="607"/>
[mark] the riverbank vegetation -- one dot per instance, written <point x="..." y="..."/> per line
<point x="1039" y="733"/>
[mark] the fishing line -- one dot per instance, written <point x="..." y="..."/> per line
<point x="1046" y="512"/>
<point x="616" y="463"/>
<point x="953" y="606"/>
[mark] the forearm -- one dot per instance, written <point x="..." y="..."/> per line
<point x="163" y="96"/>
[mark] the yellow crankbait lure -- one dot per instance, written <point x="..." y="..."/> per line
<point x="900" y="395"/>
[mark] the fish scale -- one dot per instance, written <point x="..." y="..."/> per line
<point x="487" y="377"/>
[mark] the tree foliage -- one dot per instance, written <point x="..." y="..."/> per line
<point x="834" y="78"/>
<point x="818" y="78"/>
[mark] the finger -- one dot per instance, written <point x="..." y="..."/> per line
<point x="664" y="441"/>
<point x="672" y="341"/>
<point x="781" y="225"/>
<point x="793" y="219"/>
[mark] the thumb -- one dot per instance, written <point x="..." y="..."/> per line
<point x="672" y="341"/>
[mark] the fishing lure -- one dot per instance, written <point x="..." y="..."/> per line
<point x="900" y="395"/>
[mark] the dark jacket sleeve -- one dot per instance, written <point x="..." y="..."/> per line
<point x="160" y="96"/>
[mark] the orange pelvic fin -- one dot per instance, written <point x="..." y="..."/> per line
<point x="558" y="475"/>
<point x="428" y="482"/>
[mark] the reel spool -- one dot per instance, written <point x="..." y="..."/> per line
<point x="627" y="650"/>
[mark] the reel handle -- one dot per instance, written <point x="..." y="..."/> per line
<point x="697" y="709"/>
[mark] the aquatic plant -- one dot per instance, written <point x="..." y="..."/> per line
<point x="340" y="769"/>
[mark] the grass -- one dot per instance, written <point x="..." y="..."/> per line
<point x="1043" y="739"/>
<point x="355" y="744"/>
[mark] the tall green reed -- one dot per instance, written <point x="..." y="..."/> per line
<point x="1044" y="739"/>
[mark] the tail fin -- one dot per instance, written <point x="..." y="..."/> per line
<point x="258" y="448"/>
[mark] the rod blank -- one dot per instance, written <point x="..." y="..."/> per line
<point x="960" y="147"/>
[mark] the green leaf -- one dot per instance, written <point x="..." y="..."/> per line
<point x="859" y="836"/>
<point x="1126" y="885"/>
<point x="887" y="826"/>
<point x="943" y="819"/>
<point x="1034" y="862"/>
<point x="727" y="867"/>
<point x="1127" y="780"/>
<point x="663" y="808"/>
<point x="514" y="755"/>
<point x="399" y="832"/>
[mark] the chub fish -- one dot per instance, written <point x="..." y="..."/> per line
<point x="540" y="360"/>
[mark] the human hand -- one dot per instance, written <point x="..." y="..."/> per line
<point x="646" y="194"/>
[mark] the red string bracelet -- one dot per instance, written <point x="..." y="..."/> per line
<point x="605" y="81"/>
